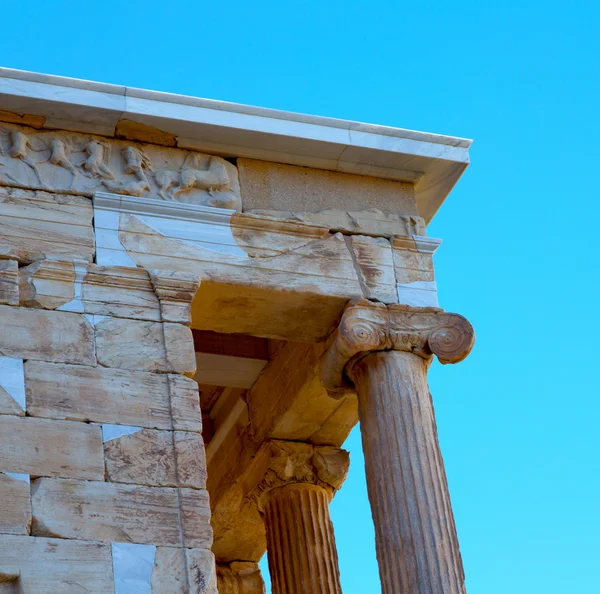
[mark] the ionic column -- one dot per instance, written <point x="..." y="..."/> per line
<point x="385" y="353"/>
<point x="294" y="497"/>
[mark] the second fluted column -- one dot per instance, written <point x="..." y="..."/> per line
<point x="294" y="498"/>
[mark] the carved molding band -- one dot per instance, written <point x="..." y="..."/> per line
<point x="366" y="327"/>
<point x="290" y="462"/>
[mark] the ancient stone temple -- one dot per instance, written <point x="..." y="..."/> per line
<point x="198" y="301"/>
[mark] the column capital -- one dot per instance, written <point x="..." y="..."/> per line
<point x="290" y="462"/>
<point x="367" y="327"/>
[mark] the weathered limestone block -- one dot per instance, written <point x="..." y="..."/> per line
<point x="240" y="293"/>
<point x="73" y="163"/>
<point x="184" y="571"/>
<point x="104" y="395"/>
<point x="51" y="566"/>
<point x="371" y="221"/>
<point x="240" y="577"/>
<point x="176" y="290"/>
<point x="374" y="267"/>
<point x="46" y="335"/>
<point x="413" y="263"/>
<point x="47" y="284"/>
<point x="37" y="225"/>
<point x="274" y="186"/>
<point x="15" y="508"/>
<point x="121" y="513"/>
<point x="12" y="386"/>
<point x="145" y="346"/>
<point x="86" y="288"/>
<point x="157" y="459"/>
<point x="9" y="282"/>
<point x="43" y="447"/>
<point x="323" y="257"/>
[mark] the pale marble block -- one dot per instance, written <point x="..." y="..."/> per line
<point x="418" y="294"/>
<point x="37" y="225"/>
<point x="111" y="432"/>
<point x="15" y="507"/>
<point x="184" y="571"/>
<point x="12" y="386"/>
<point x="132" y="566"/>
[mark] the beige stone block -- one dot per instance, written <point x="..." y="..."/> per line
<point x="157" y="459"/>
<point x="266" y="185"/>
<point x="12" y="386"/>
<point x="184" y="571"/>
<point x="176" y="291"/>
<point x="35" y="225"/>
<point x="195" y="518"/>
<point x="9" y="282"/>
<point x="374" y="267"/>
<point x="15" y="508"/>
<point x="53" y="566"/>
<point x="87" y="288"/>
<point x="44" y="447"/>
<point x="90" y="510"/>
<point x="47" y="284"/>
<point x="8" y="405"/>
<point x="371" y="222"/>
<point x="115" y="396"/>
<point x="412" y="266"/>
<point x="145" y="346"/>
<point x="46" y="335"/>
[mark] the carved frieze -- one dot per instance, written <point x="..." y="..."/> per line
<point x="67" y="162"/>
<point x="290" y="462"/>
<point x="367" y="327"/>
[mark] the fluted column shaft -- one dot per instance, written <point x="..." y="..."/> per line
<point x="300" y="540"/>
<point x="417" y="545"/>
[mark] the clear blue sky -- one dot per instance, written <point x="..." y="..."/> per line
<point x="518" y="420"/>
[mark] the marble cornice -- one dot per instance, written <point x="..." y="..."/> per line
<point x="433" y="162"/>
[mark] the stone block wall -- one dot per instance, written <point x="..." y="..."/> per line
<point x="102" y="463"/>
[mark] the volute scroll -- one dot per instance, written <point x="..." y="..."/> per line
<point x="368" y="327"/>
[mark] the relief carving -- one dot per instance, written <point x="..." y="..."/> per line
<point x="368" y="327"/>
<point x="66" y="162"/>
